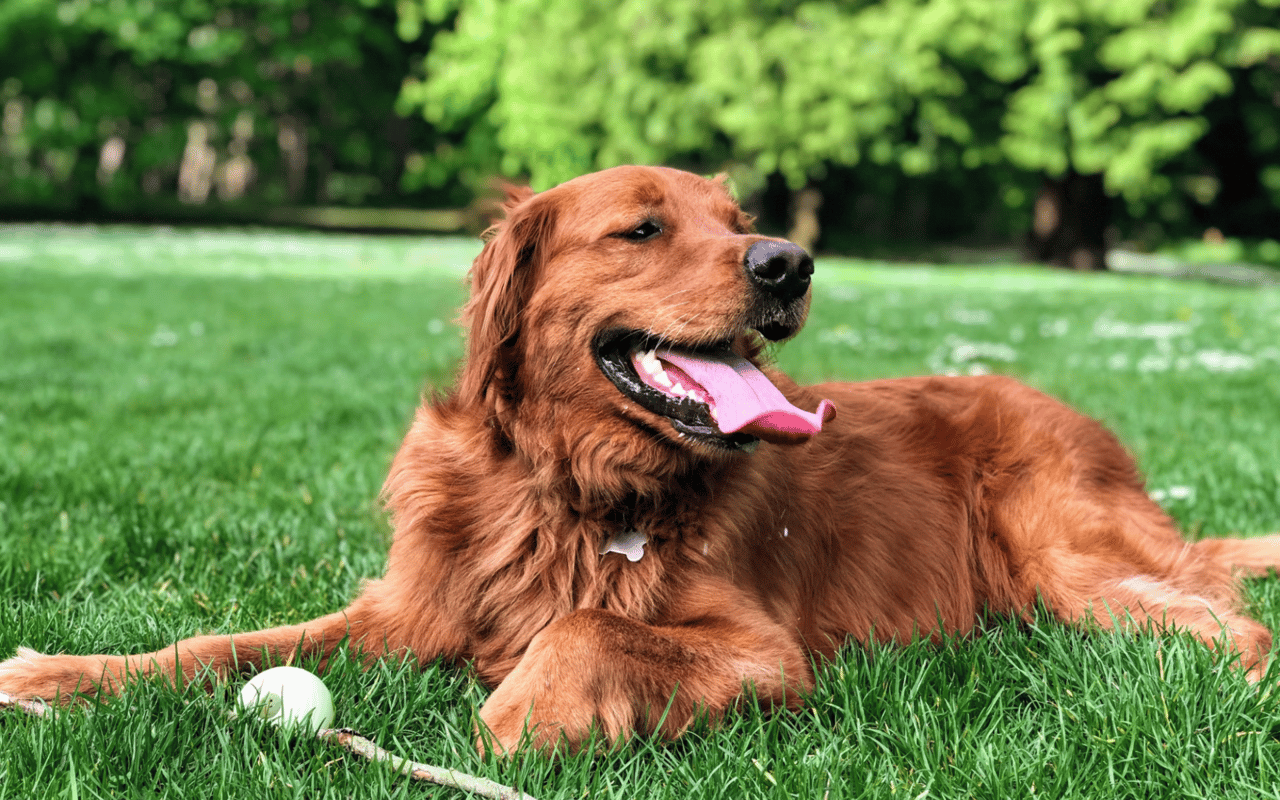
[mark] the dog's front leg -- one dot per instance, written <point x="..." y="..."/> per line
<point x="377" y="623"/>
<point x="62" y="677"/>
<point x="597" y="671"/>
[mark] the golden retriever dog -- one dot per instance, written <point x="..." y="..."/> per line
<point x="624" y="517"/>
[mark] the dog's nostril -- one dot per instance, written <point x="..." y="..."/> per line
<point x="781" y="269"/>
<point x="772" y="270"/>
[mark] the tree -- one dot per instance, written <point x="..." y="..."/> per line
<point x="1092" y="97"/>
<point x="122" y="107"/>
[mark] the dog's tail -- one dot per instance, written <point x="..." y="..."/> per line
<point x="1254" y="557"/>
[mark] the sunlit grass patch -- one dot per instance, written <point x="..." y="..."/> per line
<point x="194" y="427"/>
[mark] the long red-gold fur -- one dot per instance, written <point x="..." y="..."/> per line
<point x="924" y="503"/>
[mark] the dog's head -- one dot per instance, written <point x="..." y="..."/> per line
<point x="624" y="312"/>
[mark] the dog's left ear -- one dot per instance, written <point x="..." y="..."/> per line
<point x="501" y="282"/>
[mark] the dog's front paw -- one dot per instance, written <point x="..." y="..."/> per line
<point x="548" y="721"/>
<point x="60" y="678"/>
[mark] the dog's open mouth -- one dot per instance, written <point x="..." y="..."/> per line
<point x="710" y="394"/>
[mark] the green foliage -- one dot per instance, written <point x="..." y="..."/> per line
<point x="117" y="106"/>
<point x="105" y="104"/>
<point x="1120" y="87"/>
<point x="553" y="88"/>
<point x="1228" y="251"/>
<point x="559" y="89"/>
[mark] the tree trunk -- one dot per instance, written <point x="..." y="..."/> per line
<point x="805" y="228"/>
<point x="1069" y="223"/>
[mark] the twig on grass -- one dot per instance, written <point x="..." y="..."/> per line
<point x="37" y="708"/>
<point x="354" y="742"/>
<point x="361" y="746"/>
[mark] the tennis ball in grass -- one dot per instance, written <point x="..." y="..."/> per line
<point x="289" y="697"/>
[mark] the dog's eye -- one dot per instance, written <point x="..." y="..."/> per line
<point x="642" y="232"/>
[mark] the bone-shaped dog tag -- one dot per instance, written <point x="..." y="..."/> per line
<point x="628" y="543"/>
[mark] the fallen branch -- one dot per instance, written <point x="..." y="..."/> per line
<point x="361" y="746"/>
<point x="354" y="742"/>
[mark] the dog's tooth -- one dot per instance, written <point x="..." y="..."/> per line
<point x="678" y="390"/>
<point x="650" y="361"/>
<point x="660" y="375"/>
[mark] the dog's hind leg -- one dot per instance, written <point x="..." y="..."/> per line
<point x="1149" y="603"/>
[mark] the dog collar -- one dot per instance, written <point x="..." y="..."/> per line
<point x="629" y="543"/>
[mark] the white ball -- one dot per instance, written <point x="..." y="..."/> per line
<point x="289" y="697"/>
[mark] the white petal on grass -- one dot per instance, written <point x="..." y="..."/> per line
<point x="1106" y="327"/>
<point x="1172" y="493"/>
<point x="972" y="351"/>
<point x="841" y="334"/>
<point x="969" y="316"/>
<point x="843" y="292"/>
<point x="1053" y="328"/>
<point x="164" y="337"/>
<point x="1219" y="361"/>
<point x="959" y="355"/>
<point x="1154" y="363"/>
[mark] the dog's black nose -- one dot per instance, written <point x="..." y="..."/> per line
<point x="780" y="269"/>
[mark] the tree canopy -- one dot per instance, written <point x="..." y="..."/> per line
<point x="1045" y="88"/>
<point x="117" y="105"/>
<point x="1167" y="111"/>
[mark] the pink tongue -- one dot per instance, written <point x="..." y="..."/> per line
<point x="745" y="400"/>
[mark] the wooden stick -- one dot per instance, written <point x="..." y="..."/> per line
<point x="349" y="740"/>
<point x="361" y="746"/>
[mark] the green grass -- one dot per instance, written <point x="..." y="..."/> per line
<point x="194" y="427"/>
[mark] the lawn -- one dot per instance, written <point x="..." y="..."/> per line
<point x="194" y="426"/>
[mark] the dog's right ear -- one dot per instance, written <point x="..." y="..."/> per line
<point x="501" y="282"/>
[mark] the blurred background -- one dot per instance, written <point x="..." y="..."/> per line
<point x="1070" y="132"/>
